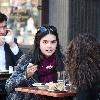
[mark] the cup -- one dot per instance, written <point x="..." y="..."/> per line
<point x="61" y="78"/>
<point x="61" y="75"/>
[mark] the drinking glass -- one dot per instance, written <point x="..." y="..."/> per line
<point x="61" y="78"/>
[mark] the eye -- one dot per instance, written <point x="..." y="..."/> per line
<point x="45" y="41"/>
<point x="54" y="41"/>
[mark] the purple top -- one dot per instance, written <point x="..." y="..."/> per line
<point x="47" y="70"/>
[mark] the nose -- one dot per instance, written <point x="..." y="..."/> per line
<point x="49" y="45"/>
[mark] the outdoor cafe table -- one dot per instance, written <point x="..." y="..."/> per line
<point x="3" y="77"/>
<point x="34" y="90"/>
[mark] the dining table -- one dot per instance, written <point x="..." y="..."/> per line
<point x="4" y="75"/>
<point x="55" y="94"/>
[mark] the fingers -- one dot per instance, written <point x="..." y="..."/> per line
<point x="9" y="32"/>
<point x="31" y="68"/>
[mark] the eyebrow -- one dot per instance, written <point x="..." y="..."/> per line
<point x="47" y="40"/>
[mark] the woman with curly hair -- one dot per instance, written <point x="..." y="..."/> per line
<point x="83" y="66"/>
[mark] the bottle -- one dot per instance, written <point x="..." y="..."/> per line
<point x="10" y="69"/>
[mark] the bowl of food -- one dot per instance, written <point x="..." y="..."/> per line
<point x="56" y="86"/>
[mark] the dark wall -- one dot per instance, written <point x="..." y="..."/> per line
<point x="98" y="20"/>
<point x="45" y="11"/>
<point x="84" y="16"/>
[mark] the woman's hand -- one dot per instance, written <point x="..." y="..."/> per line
<point x="31" y="68"/>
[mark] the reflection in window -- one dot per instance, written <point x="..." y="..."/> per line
<point x="22" y="19"/>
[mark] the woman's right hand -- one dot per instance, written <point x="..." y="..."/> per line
<point x="31" y="69"/>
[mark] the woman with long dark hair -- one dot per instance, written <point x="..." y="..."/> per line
<point x="40" y="66"/>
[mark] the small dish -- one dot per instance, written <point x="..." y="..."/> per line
<point x="57" y="91"/>
<point x="50" y="90"/>
<point x="38" y="84"/>
<point x="41" y="86"/>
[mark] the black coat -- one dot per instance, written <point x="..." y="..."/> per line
<point x="10" y="58"/>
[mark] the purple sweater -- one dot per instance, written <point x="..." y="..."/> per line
<point x="47" y="70"/>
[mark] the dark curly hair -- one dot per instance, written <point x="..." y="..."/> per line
<point x="83" y="60"/>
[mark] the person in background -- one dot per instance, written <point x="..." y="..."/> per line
<point x="9" y="50"/>
<point x="83" y="65"/>
<point x="40" y="66"/>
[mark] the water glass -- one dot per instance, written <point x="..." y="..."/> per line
<point x="61" y="77"/>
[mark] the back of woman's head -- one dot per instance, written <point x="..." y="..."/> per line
<point x="84" y="44"/>
<point x="83" y="55"/>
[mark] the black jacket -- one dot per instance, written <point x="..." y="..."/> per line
<point x="10" y="58"/>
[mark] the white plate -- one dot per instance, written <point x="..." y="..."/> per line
<point x="41" y="86"/>
<point x="50" y="90"/>
<point x="56" y="90"/>
<point x="38" y="84"/>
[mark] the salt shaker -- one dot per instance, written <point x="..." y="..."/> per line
<point x="10" y="69"/>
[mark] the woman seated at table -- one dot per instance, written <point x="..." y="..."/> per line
<point x="40" y="66"/>
<point x="83" y="65"/>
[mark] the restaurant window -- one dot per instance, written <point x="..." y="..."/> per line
<point x="22" y="18"/>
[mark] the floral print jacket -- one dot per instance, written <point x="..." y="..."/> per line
<point x="18" y="78"/>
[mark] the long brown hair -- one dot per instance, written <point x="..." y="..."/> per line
<point x="83" y="60"/>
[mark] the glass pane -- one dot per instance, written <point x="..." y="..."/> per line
<point x="22" y="18"/>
